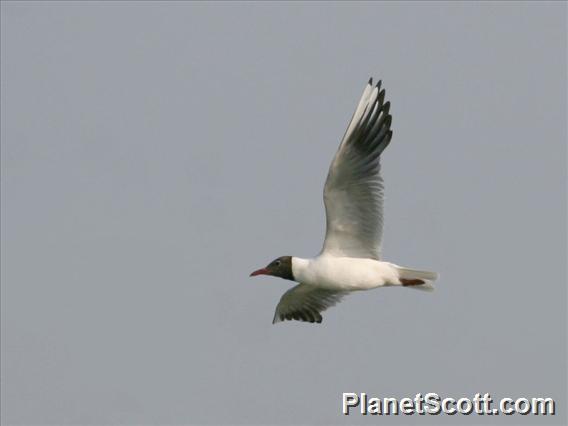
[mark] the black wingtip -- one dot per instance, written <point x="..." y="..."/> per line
<point x="381" y="97"/>
<point x="379" y="84"/>
<point x="370" y="83"/>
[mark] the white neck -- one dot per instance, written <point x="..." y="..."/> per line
<point x="299" y="268"/>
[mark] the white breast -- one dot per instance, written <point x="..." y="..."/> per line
<point x="343" y="273"/>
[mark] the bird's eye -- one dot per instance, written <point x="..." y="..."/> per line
<point x="277" y="263"/>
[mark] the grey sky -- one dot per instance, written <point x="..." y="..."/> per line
<point x="154" y="154"/>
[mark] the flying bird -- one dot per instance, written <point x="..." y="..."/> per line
<point x="353" y="196"/>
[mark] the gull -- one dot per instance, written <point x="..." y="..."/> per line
<point x="350" y="259"/>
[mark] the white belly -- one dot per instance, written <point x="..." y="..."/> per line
<point x="344" y="273"/>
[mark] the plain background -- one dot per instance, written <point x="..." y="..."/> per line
<point x="154" y="154"/>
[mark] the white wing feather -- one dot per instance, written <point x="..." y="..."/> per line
<point x="353" y="193"/>
<point x="305" y="303"/>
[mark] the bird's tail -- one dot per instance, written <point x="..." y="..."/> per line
<point x="419" y="280"/>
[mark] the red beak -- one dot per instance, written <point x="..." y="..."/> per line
<point x="262" y="271"/>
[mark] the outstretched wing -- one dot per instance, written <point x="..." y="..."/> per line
<point x="305" y="303"/>
<point x="353" y="193"/>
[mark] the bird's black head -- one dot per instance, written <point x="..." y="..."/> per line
<point x="281" y="267"/>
